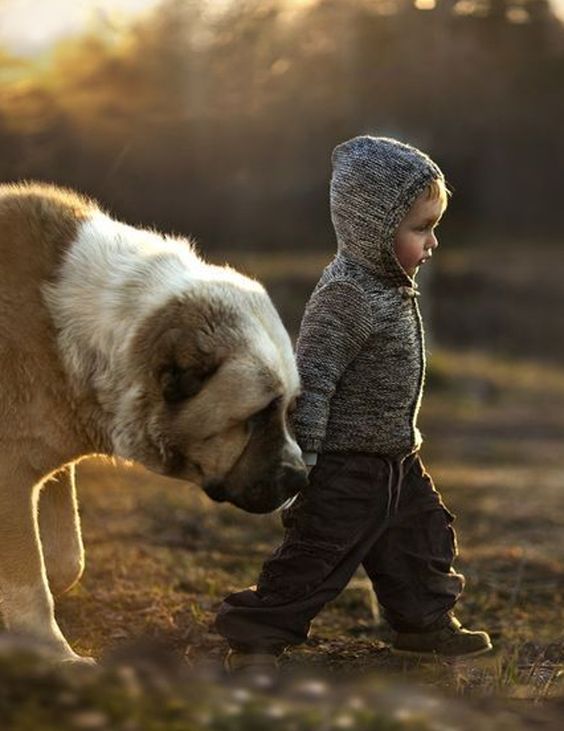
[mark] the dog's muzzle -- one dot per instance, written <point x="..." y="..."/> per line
<point x="265" y="495"/>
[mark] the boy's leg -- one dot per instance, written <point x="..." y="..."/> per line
<point x="411" y="569"/>
<point x="329" y="530"/>
<point x="410" y="565"/>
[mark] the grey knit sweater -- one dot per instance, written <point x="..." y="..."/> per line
<point x="360" y="350"/>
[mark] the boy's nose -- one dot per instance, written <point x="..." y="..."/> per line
<point x="433" y="242"/>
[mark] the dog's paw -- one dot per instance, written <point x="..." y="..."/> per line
<point x="51" y="651"/>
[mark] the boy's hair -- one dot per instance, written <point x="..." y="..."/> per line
<point x="437" y="190"/>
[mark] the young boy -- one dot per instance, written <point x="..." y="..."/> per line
<point x="361" y="359"/>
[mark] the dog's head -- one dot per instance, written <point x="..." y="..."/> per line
<point x="212" y="384"/>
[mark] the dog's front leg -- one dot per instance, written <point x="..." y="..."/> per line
<point x="27" y="604"/>
<point x="61" y="539"/>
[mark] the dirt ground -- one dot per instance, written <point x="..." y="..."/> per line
<point x="160" y="555"/>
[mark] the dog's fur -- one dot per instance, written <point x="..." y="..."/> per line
<point x="119" y="341"/>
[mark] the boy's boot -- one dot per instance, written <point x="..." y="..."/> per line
<point x="260" y="669"/>
<point x="446" y="639"/>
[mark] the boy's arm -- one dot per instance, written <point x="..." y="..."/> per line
<point x="335" y="326"/>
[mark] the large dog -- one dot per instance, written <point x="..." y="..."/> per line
<point x="123" y="342"/>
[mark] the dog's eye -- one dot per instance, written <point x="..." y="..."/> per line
<point x="260" y="417"/>
<point x="179" y="384"/>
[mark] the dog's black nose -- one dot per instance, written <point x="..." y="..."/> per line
<point x="215" y="489"/>
<point x="291" y="481"/>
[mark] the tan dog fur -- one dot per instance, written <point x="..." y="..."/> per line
<point x="119" y="341"/>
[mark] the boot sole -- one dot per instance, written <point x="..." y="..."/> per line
<point x="434" y="654"/>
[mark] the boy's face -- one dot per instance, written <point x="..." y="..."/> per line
<point x="415" y="238"/>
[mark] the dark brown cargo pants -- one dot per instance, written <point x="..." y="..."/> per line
<point x="357" y="509"/>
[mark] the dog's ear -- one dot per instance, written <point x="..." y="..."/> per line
<point x="180" y="348"/>
<point x="179" y="384"/>
<point x="184" y="365"/>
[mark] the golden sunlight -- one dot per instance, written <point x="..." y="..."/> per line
<point x="425" y="4"/>
<point x="29" y="27"/>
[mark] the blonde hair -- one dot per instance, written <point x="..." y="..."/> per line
<point x="437" y="190"/>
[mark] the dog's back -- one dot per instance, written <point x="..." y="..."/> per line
<point x="37" y="224"/>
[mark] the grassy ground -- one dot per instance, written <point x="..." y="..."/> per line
<point x="160" y="555"/>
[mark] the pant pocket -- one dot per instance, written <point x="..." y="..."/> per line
<point x="449" y="517"/>
<point x="427" y="539"/>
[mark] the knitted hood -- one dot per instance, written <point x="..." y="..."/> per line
<point x="374" y="184"/>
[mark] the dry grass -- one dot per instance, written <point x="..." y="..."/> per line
<point x="160" y="556"/>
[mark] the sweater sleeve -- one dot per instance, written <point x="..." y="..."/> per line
<point x="336" y="324"/>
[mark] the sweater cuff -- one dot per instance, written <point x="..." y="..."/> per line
<point x="310" y="444"/>
<point x="309" y="458"/>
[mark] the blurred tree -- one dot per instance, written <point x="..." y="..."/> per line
<point x="222" y="123"/>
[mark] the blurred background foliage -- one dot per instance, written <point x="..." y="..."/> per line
<point x="221" y="124"/>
